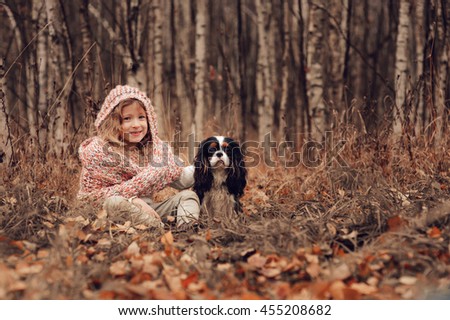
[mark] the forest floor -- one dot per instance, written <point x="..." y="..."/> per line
<point x="378" y="228"/>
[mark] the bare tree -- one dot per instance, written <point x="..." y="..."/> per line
<point x="158" y="62"/>
<point x="200" y="66"/>
<point x="263" y="80"/>
<point x="182" y="62"/>
<point x="401" y="64"/>
<point x="314" y="76"/>
<point x="442" y="69"/>
<point x="285" y="72"/>
<point x="419" y="38"/>
<point x="5" y="137"/>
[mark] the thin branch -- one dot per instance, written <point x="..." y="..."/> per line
<point x="70" y="78"/>
<point x="23" y="50"/>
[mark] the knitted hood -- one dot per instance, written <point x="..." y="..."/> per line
<point x="120" y="93"/>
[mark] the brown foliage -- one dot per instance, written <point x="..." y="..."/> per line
<point x="370" y="230"/>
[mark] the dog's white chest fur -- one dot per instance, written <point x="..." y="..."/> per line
<point x="218" y="202"/>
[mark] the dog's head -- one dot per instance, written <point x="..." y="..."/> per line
<point x="220" y="153"/>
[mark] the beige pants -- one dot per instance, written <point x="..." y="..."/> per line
<point x="184" y="206"/>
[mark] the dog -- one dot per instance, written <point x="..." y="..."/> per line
<point x="220" y="176"/>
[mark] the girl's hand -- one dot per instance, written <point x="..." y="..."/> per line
<point x="146" y="208"/>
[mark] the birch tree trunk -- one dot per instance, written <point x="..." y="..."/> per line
<point x="32" y="89"/>
<point x="401" y="64"/>
<point x="337" y="41"/>
<point x="60" y="74"/>
<point x="304" y="118"/>
<point x="314" y="76"/>
<point x="42" y="43"/>
<point x="200" y="66"/>
<point x="5" y="136"/>
<point x="285" y="73"/>
<point x="182" y="58"/>
<point x="21" y="118"/>
<point x="263" y="85"/>
<point x="440" y="93"/>
<point x="419" y="37"/>
<point x="158" y="73"/>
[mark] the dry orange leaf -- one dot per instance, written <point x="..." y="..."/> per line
<point x="363" y="288"/>
<point x="167" y="238"/>
<point x="208" y="235"/>
<point x="193" y="277"/>
<point x="337" y="290"/>
<point x="395" y="223"/>
<point x="257" y="260"/>
<point x="270" y="272"/>
<point x="313" y="270"/>
<point x="434" y="232"/>
<point x="132" y="250"/>
<point x="119" y="268"/>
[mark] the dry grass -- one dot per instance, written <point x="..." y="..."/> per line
<point x="384" y="217"/>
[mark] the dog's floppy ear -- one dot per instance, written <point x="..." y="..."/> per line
<point x="202" y="175"/>
<point x="237" y="173"/>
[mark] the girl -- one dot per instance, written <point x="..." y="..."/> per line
<point x="126" y="163"/>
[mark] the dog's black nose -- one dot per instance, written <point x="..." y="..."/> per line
<point x="219" y="154"/>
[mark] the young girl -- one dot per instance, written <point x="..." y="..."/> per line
<point x="126" y="163"/>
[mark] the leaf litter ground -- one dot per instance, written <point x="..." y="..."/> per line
<point x="319" y="234"/>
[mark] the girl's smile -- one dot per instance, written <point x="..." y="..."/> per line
<point x="134" y="123"/>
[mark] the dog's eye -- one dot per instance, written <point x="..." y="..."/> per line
<point x="212" y="150"/>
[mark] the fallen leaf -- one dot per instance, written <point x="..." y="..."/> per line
<point x="363" y="288"/>
<point x="270" y="272"/>
<point x="223" y="267"/>
<point x="208" y="236"/>
<point x="337" y="290"/>
<point x="257" y="260"/>
<point x="340" y="272"/>
<point x="193" y="277"/>
<point x="407" y="280"/>
<point x="132" y="250"/>
<point x="396" y="223"/>
<point x="23" y="268"/>
<point x="119" y="268"/>
<point x="167" y="238"/>
<point x="104" y="243"/>
<point x="313" y="269"/>
<point x="434" y="232"/>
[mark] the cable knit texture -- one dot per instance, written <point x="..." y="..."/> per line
<point x="108" y="171"/>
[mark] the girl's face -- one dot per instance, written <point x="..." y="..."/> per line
<point x="134" y="123"/>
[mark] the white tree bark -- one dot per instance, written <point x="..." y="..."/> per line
<point x="285" y="72"/>
<point x="133" y="79"/>
<point x="182" y="58"/>
<point x="42" y="43"/>
<point x="263" y="80"/>
<point x="419" y="36"/>
<point x="314" y="76"/>
<point x="401" y="64"/>
<point x="440" y="92"/>
<point x="339" y="10"/>
<point x="60" y="74"/>
<point x="158" y="94"/>
<point x="200" y="66"/>
<point x="5" y="137"/>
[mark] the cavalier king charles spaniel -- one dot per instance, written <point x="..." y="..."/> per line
<point x="220" y="176"/>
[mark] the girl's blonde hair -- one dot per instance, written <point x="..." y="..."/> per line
<point x="111" y="130"/>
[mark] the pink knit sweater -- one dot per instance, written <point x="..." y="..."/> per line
<point x="108" y="171"/>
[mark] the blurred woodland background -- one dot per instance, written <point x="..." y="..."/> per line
<point x="294" y="68"/>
